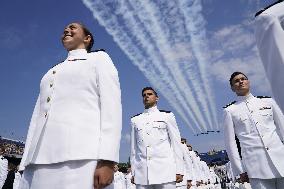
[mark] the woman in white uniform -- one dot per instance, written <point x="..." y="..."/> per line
<point x="74" y="134"/>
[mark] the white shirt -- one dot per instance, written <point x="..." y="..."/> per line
<point x="258" y="123"/>
<point x="78" y="112"/>
<point x="156" y="153"/>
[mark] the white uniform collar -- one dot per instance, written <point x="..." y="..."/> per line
<point x="77" y="53"/>
<point x="243" y="98"/>
<point x="150" y="110"/>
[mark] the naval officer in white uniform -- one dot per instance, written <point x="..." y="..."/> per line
<point x="119" y="181"/>
<point x="258" y="125"/>
<point x="269" y="32"/>
<point x="128" y="177"/>
<point x="3" y="167"/>
<point x="188" y="168"/>
<point x="74" y="134"/>
<point x="156" y="154"/>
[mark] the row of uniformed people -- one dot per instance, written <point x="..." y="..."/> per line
<point x="121" y="180"/>
<point x="197" y="174"/>
<point x="233" y="181"/>
<point x="159" y="158"/>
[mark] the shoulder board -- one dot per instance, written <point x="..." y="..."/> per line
<point x="165" y="111"/>
<point x="98" y="50"/>
<point x="77" y="59"/>
<point x="229" y="104"/>
<point x="263" y="97"/>
<point x="57" y="64"/>
<point x="136" y="115"/>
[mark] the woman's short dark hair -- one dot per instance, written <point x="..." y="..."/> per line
<point x="234" y="75"/>
<point x="149" y="88"/>
<point x="87" y="32"/>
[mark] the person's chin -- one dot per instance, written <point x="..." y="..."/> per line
<point x="69" y="47"/>
<point x="68" y="44"/>
<point x="243" y="89"/>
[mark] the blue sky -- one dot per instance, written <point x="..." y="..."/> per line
<point x="186" y="50"/>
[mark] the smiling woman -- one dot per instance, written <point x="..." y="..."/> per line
<point x="77" y="36"/>
<point x="74" y="134"/>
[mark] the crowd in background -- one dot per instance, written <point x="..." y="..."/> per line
<point x="12" y="147"/>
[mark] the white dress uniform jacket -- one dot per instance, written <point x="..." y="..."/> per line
<point x="3" y="170"/>
<point x="195" y="163"/>
<point x="78" y="112"/>
<point x="269" y="32"/>
<point x="119" y="180"/>
<point x="199" y="172"/>
<point x="128" y="182"/>
<point x="156" y="153"/>
<point x="258" y="123"/>
<point x="188" y="167"/>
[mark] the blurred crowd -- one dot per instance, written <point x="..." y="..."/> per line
<point x="12" y="147"/>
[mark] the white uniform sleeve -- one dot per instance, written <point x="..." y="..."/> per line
<point x="230" y="144"/>
<point x="200" y="169"/>
<point x="205" y="171"/>
<point x="30" y="133"/>
<point x="133" y="149"/>
<point x="110" y="106"/>
<point x="278" y="118"/>
<point x="175" y="139"/>
<point x="188" y="163"/>
<point x="3" y="171"/>
<point x="196" y="168"/>
<point x="269" y="33"/>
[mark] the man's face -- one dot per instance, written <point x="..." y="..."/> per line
<point x="240" y="85"/>
<point x="149" y="98"/>
<point x="115" y="168"/>
<point x="2" y="151"/>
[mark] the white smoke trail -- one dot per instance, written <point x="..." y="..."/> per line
<point x="153" y="24"/>
<point x="111" y="23"/>
<point x="135" y="28"/>
<point x="196" y="27"/>
<point x="146" y="40"/>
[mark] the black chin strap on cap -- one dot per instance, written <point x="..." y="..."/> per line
<point x="262" y="10"/>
